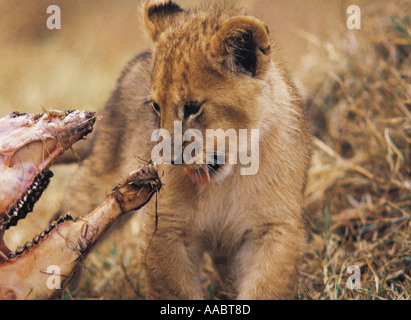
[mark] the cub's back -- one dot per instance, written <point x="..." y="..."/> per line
<point x="121" y="141"/>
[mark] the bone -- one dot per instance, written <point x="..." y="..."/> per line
<point x="29" y="144"/>
<point x="66" y="243"/>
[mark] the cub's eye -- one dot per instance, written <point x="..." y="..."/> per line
<point x="156" y="107"/>
<point x="191" y="108"/>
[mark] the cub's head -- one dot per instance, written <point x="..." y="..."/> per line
<point x="208" y="83"/>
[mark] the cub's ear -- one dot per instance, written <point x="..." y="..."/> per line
<point x="157" y="14"/>
<point x="242" y="44"/>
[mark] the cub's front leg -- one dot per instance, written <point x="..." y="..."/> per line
<point x="267" y="262"/>
<point x="172" y="265"/>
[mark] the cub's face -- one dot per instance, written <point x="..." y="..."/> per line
<point x="208" y="75"/>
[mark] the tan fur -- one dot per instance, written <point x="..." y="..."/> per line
<point x="252" y="226"/>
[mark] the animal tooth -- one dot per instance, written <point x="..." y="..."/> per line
<point x="30" y="206"/>
<point x="36" y="239"/>
<point x="3" y="221"/>
<point x="69" y="217"/>
<point x="28" y="245"/>
<point x="42" y="235"/>
<point x="19" y="250"/>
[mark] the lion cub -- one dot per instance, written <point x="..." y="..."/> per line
<point x="210" y="68"/>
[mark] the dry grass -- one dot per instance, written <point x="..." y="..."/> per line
<point x="359" y="196"/>
<point x="357" y="85"/>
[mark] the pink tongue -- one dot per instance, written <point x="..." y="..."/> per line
<point x="199" y="176"/>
